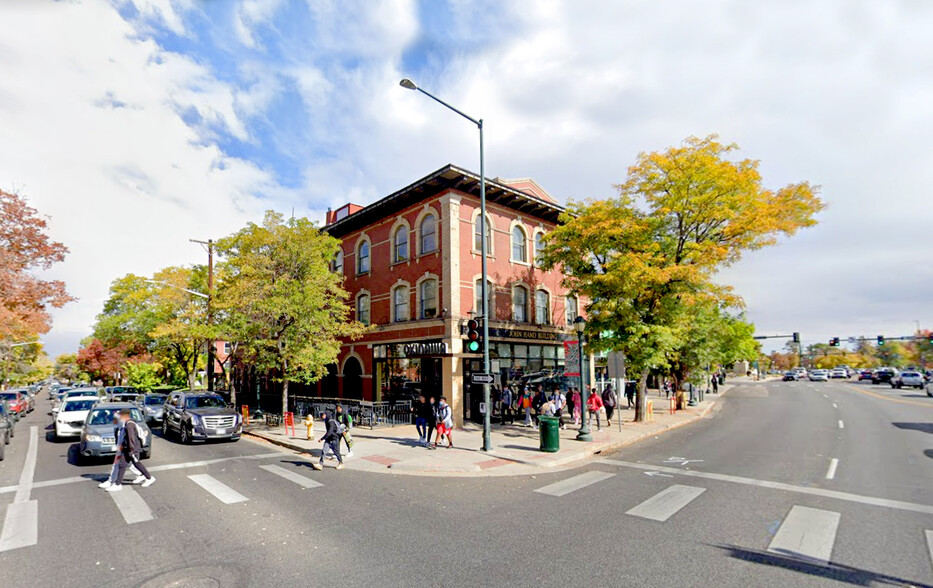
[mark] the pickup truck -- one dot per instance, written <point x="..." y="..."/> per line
<point x="200" y="415"/>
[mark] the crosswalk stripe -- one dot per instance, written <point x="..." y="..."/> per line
<point x="221" y="491"/>
<point x="132" y="506"/>
<point x="929" y="536"/>
<point x="574" y="483"/>
<point x="303" y="481"/>
<point x="21" y="525"/>
<point x="666" y="503"/>
<point x="808" y="533"/>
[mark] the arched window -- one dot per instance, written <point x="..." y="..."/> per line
<point x="428" y="297"/>
<point x="571" y="304"/>
<point x="362" y="258"/>
<point x="400" y="243"/>
<point x="539" y="246"/>
<point x="542" y="307"/>
<point x="362" y="308"/>
<point x="520" y="304"/>
<point x="477" y="239"/>
<point x="338" y="263"/>
<point x="400" y="303"/>
<point x="478" y="299"/>
<point x="519" y="245"/>
<point x="428" y="232"/>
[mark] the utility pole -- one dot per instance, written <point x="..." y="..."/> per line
<point x="209" y="245"/>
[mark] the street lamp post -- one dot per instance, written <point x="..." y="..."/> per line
<point x="579" y="324"/>
<point x="487" y="434"/>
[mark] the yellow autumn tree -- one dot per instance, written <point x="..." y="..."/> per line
<point x="643" y="260"/>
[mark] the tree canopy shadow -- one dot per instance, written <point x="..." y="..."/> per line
<point x="922" y="427"/>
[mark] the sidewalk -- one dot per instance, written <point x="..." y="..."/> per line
<point x="395" y="450"/>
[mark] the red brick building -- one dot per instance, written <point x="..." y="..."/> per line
<point x="412" y="265"/>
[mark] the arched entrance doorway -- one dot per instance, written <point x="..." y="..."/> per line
<point x="329" y="382"/>
<point x="352" y="379"/>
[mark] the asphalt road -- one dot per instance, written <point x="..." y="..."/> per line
<point x="788" y="484"/>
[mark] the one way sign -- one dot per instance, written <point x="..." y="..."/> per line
<point x="481" y="378"/>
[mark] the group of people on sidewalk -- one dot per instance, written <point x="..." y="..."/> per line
<point x="433" y="417"/>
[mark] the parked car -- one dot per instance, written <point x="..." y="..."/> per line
<point x="883" y="375"/>
<point x="200" y="415"/>
<point x="100" y="432"/>
<point x="154" y="407"/>
<point x="864" y="375"/>
<point x="72" y="393"/>
<point x="7" y="416"/>
<point x="28" y="397"/>
<point x="71" y="416"/>
<point x="16" y="401"/>
<point x="839" y="373"/>
<point x="6" y="429"/>
<point x="911" y="379"/>
<point x="790" y="376"/>
<point x="819" y="376"/>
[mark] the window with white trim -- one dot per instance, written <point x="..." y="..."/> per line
<point x="542" y="307"/>
<point x="519" y="245"/>
<point x="520" y="304"/>
<point x="400" y="244"/>
<point x="539" y="246"/>
<point x="571" y="304"/>
<point x="428" y="296"/>
<point x="362" y="308"/>
<point x="477" y="231"/>
<point x="338" y="263"/>
<point x="362" y="258"/>
<point x="400" y="296"/>
<point x="428" y="232"/>
<point x="478" y="298"/>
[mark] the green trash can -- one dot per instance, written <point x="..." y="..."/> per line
<point x="549" y="432"/>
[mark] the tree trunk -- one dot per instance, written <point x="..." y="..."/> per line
<point x="233" y="386"/>
<point x="284" y="389"/>
<point x="641" y="396"/>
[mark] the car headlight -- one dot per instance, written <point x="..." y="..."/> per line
<point x="195" y="419"/>
<point x="92" y="438"/>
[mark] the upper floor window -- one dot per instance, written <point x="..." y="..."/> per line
<point x="428" y="234"/>
<point x="539" y="246"/>
<point x="400" y="303"/>
<point x="478" y="299"/>
<point x="362" y="308"/>
<point x="520" y="304"/>
<point x="572" y="311"/>
<point x="542" y="307"/>
<point x="477" y="232"/>
<point x="519" y="245"/>
<point x="362" y="258"/>
<point x="400" y="243"/>
<point x="428" y="297"/>
<point x="338" y="262"/>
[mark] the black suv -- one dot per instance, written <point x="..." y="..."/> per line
<point x="883" y="375"/>
<point x="200" y="415"/>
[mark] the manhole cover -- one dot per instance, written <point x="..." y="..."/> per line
<point x="228" y="576"/>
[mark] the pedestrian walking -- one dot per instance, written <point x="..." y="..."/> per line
<point x="526" y="406"/>
<point x="431" y="414"/>
<point x="422" y="416"/>
<point x="609" y="402"/>
<point x="571" y="407"/>
<point x="505" y="405"/>
<point x="445" y="423"/>
<point x="594" y="404"/>
<point x="577" y="406"/>
<point x="345" y="423"/>
<point x="715" y="380"/>
<point x="128" y="449"/>
<point x="112" y="479"/>
<point x="559" y="399"/>
<point x="331" y="441"/>
<point x="629" y="394"/>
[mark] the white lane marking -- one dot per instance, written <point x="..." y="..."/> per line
<point x="807" y="533"/>
<point x="221" y="491"/>
<point x="842" y="425"/>
<point x="824" y="396"/>
<point x="132" y="506"/>
<point x="835" y="405"/>
<point x="666" y="503"/>
<point x="929" y="536"/>
<point x="831" y="472"/>
<point x="574" y="483"/>
<point x="21" y="524"/>
<point x="158" y="468"/>
<point x="303" y="481"/>
<point x="848" y="497"/>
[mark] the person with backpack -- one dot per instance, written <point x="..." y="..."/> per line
<point x="609" y="401"/>
<point x="331" y="441"/>
<point x="445" y="423"/>
<point x="593" y="405"/>
<point x="345" y="423"/>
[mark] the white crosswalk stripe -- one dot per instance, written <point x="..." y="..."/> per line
<point x="666" y="503"/>
<point x="574" y="483"/>
<point x="132" y="506"/>
<point x="303" y="481"/>
<point x="807" y="533"/>
<point x="929" y="536"/>
<point x="218" y="489"/>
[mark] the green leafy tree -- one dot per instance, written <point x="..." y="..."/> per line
<point x="144" y="376"/>
<point x="66" y="367"/>
<point x="642" y="260"/>
<point x="279" y="298"/>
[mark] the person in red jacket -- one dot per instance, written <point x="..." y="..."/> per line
<point x="593" y="405"/>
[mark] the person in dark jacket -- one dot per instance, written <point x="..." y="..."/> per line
<point x="345" y="423"/>
<point x="423" y="414"/>
<point x="128" y="449"/>
<point x="331" y="439"/>
<point x="610" y="400"/>
<point x="431" y="415"/>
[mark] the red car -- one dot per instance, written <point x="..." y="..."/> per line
<point x="864" y="375"/>
<point x="16" y="401"/>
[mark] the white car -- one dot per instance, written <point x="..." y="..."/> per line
<point x="69" y="420"/>
<point x="908" y="379"/>
<point x="819" y="376"/>
<point x="839" y="373"/>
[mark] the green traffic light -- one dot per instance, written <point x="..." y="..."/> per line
<point x="473" y="346"/>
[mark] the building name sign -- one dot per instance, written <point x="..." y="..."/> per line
<point x="426" y="349"/>
<point x="528" y="334"/>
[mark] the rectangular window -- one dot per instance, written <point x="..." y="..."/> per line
<point x="478" y="299"/>
<point x="519" y="304"/>
<point x="542" y="308"/>
<point x="400" y="300"/>
<point x="571" y="304"/>
<point x="428" y="299"/>
<point x="362" y="309"/>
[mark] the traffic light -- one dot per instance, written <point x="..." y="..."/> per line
<point x="930" y="338"/>
<point x="880" y="340"/>
<point x="473" y="337"/>
<point x="796" y="337"/>
<point x="834" y="342"/>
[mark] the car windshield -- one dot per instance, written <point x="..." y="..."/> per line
<point x="205" y="402"/>
<point x="8" y="395"/>
<point x="76" y="405"/>
<point x="154" y="400"/>
<point x="911" y="375"/>
<point x="105" y="416"/>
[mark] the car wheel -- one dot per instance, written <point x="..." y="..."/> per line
<point x="12" y="434"/>
<point x="930" y="394"/>
<point x="3" y="449"/>
<point x="184" y="434"/>
<point x="165" y="429"/>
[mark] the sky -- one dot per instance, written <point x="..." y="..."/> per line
<point x="136" y="125"/>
